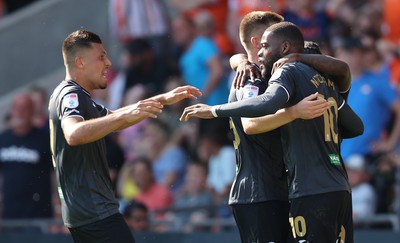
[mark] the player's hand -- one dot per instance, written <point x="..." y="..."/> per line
<point x="310" y="107"/>
<point x="180" y="93"/>
<point x="243" y="71"/>
<point x="142" y="109"/>
<point x="199" y="110"/>
<point x="282" y="61"/>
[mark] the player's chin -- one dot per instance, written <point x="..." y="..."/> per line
<point x="103" y="86"/>
<point x="103" y="83"/>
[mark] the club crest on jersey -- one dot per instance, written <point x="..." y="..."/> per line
<point x="250" y="91"/>
<point x="71" y="100"/>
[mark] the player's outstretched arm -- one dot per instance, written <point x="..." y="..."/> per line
<point x="78" y="131"/>
<point x="274" y="98"/>
<point x="338" y="70"/>
<point x="178" y="94"/>
<point x="308" y="108"/>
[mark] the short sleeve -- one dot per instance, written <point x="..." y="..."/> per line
<point x="102" y="109"/>
<point x="72" y="104"/>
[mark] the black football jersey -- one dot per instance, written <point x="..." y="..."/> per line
<point x="84" y="184"/>
<point x="260" y="173"/>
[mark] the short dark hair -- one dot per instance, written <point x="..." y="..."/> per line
<point x="311" y="47"/>
<point x="256" y="21"/>
<point x="77" y="40"/>
<point x="288" y="31"/>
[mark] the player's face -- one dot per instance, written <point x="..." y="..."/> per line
<point x="96" y="65"/>
<point x="269" y="53"/>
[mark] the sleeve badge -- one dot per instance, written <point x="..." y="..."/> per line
<point x="250" y="91"/>
<point x="71" y="100"/>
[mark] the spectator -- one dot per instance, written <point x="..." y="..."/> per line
<point x="218" y="9"/>
<point x="139" y="65"/>
<point x="152" y="194"/>
<point x="40" y="99"/>
<point x="217" y="151"/>
<point x="168" y="158"/>
<point x="132" y="19"/>
<point x="193" y="201"/>
<point x="384" y="180"/>
<point x="312" y="22"/>
<point x="128" y="137"/>
<point x="391" y="37"/>
<point x="137" y="216"/>
<point x="370" y="94"/>
<point x="126" y="187"/>
<point x="171" y="113"/>
<point x="200" y="62"/>
<point x="25" y="163"/>
<point x="363" y="193"/>
<point x="207" y="27"/>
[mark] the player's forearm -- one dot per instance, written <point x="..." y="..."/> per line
<point x="267" y="123"/>
<point x="83" y="132"/>
<point x="267" y="103"/>
<point x="338" y="70"/>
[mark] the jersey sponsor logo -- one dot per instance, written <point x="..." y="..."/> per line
<point x="19" y="154"/>
<point x="250" y="91"/>
<point x="71" y="100"/>
<point x="335" y="159"/>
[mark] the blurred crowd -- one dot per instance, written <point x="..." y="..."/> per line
<point x="176" y="176"/>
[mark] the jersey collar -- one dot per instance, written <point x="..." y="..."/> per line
<point x="76" y="84"/>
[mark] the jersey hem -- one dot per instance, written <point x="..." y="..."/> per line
<point x="103" y="216"/>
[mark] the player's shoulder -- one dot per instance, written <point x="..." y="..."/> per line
<point x="65" y="87"/>
<point x="295" y="68"/>
<point x="252" y="89"/>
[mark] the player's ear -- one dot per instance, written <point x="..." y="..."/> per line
<point x="285" y="47"/>
<point x="255" y="41"/>
<point x="78" y="62"/>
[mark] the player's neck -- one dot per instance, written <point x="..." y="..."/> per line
<point x="252" y="56"/>
<point x="80" y="81"/>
